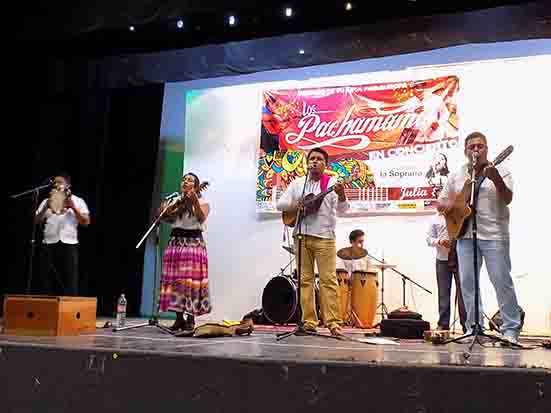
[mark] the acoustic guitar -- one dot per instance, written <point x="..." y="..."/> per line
<point x="458" y="216"/>
<point x="312" y="203"/>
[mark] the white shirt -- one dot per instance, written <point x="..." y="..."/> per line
<point x="62" y="227"/>
<point x="438" y="231"/>
<point x="321" y="224"/>
<point x="492" y="217"/>
<point x="190" y="222"/>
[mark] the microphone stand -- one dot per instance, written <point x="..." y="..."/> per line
<point x="300" y="330"/>
<point x="35" y="191"/>
<point x="282" y="270"/>
<point x="477" y="330"/>
<point x="154" y="320"/>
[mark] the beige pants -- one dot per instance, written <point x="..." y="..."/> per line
<point x="323" y="252"/>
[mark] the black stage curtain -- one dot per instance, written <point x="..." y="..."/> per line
<point x="107" y="140"/>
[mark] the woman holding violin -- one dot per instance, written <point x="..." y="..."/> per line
<point x="184" y="278"/>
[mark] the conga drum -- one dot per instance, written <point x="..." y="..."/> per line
<point x="343" y="278"/>
<point x="364" y="298"/>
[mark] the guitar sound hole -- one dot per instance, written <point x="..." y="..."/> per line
<point x="30" y="314"/>
<point x="78" y="316"/>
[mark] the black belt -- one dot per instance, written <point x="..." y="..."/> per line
<point x="186" y="233"/>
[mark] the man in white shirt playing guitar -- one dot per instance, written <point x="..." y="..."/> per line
<point x="492" y="217"/>
<point x="318" y="239"/>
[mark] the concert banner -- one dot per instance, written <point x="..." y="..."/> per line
<point x="399" y="138"/>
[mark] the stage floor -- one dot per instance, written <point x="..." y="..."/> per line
<point x="146" y="370"/>
<point x="263" y="346"/>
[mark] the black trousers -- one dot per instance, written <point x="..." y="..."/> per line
<point x="59" y="269"/>
<point x="444" y="279"/>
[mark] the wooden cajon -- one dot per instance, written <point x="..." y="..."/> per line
<point x="42" y="315"/>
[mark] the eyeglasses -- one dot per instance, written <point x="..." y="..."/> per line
<point x="476" y="146"/>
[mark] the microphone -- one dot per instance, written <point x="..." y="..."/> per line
<point x="474" y="159"/>
<point x="172" y="195"/>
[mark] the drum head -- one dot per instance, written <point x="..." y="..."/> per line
<point x="364" y="273"/>
<point x="351" y="253"/>
<point x="279" y="300"/>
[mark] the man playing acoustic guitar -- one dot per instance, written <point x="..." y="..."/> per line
<point x="492" y="218"/>
<point x="318" y="240"/>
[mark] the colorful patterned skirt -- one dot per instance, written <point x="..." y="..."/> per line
<point x="184" y="279"/>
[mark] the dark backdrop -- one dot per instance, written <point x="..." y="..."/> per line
<point x="107" y="140"/>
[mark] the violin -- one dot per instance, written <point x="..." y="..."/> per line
<point x="173" y="207"/>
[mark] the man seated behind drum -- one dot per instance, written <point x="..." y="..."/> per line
<point x="359" y="308"/>
<point x="61" y="213"/>
<point x="357" y="239"/>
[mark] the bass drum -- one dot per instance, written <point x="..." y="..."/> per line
<point x="280" y="300"/>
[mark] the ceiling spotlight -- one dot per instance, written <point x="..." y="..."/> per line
<point x="232" y="20"/>
<point x="180" y="24"/>
<point x="301" y="51"/>
<point x="348" y="6"/>
<point x="131" y="28"/>
<point x="288" y="12"/>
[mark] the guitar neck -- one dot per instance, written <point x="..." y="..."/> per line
<point x="500" y="158"/>
<point x="324" y="193"/>
<point x="327" y="191"/>
<point x="331" y="189"/>
<point x="503" y="155"/>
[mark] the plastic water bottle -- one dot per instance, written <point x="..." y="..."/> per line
<point x="121" y="311"/>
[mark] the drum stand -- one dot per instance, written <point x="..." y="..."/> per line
<point x="154" y="320"/>
<point x="382" y="265"/>
<point x="382" y="305"/>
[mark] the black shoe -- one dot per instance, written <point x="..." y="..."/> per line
<point x="189" y="323"/>
<point x="179" y="324"/>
